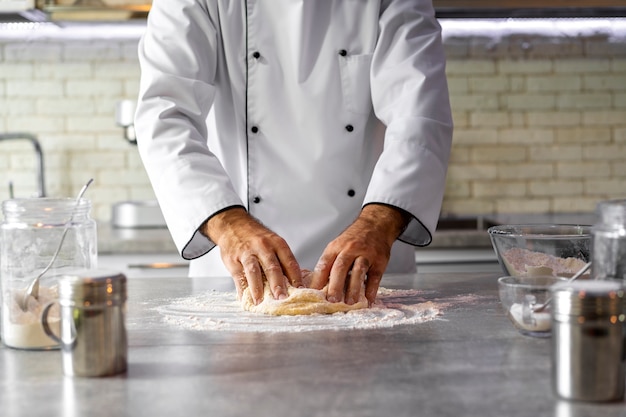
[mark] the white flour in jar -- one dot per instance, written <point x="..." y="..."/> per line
<point x="220" y="311"/>
<point x="538" y="321"/>
<point x="23" y="329"/>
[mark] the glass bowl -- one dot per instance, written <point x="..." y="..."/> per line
<point x="541" y="249"/>
<point x="519" y="297"/>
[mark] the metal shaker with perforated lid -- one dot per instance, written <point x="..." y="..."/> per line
<point x="609" y="241"/>
<point x="93" y="336"/>
<point x="588" y="335"/>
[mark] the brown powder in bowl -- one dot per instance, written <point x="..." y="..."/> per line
<point x="520" y="261"/>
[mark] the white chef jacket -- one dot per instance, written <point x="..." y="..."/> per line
<point x="301" y="111"/>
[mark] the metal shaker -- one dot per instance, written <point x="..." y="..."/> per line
<point x="93" y="336"/>
<point x="609" y="241"/>
<point x="588" y="335"/>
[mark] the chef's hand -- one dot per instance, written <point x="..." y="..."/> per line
<point x="360" y="254"/>
<point x="251" y="251"/>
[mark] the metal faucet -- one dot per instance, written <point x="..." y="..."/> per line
<point x="124" y="116"/>
<point x="38" y="154"/>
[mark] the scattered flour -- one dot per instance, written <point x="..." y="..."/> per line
<point x="215" y="310"/>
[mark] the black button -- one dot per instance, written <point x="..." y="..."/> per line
<point x="256" y="200"/>
<point x="343" y="52"/>
<point x="254" y="129"/>
<point x="349" y="128"/>
<point x="256" y="55"/>
<point x="351" y="193"/>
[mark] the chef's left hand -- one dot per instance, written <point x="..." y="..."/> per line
<point x="359" y="255"/>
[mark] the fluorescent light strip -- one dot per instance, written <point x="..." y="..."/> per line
<point x="550" y="27"/>
<point x="495" y="28"/>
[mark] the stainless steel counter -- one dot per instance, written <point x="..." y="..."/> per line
<point x="453" y="232"/>
<point x="468" y="362"/>
<point x="118" y="241"/>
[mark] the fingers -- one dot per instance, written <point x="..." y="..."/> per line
<point x="275" y="278"/>
<point x="345" y="283"/>
<point x="356" y="280"/>
<point x="347" y="279"/>
<point x="254" y="271"/>
<point x="254" y="277"/>
<point x="362" y="250"/>
<point x="372" y="285"/>
<point x="348" y="263"/>
<point x="252" y="251"/>
<point x="290" y="268"/>
<point x="321" y="272"/>
<point x="240" y="284"/>
<point x="337" y="280"/>
<point x="333" y="270"/>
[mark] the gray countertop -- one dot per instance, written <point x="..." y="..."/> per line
<point x="141" y="240"/>
<point x="469" y="361"/>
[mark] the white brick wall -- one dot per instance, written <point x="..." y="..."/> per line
<point x="540" y="124"/>
<point x="65" y="93"/>
<point x="541" y="129"/>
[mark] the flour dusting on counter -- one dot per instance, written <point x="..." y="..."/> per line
<point x="216" y="310"/>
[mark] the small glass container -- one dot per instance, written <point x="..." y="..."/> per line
<point x="588" y="333"/>
<point x="30" y="234"/>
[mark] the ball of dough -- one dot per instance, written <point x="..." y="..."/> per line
<point x="301" y="301"/>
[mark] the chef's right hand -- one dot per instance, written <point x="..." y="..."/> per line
<point x="251" y="251"/>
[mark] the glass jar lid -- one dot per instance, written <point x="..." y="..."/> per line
<point x="45" y="211"/>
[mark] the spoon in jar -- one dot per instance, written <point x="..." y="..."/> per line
<point x="537" y="309"/>
<point x="33" y="288"/>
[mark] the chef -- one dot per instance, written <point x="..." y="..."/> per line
<point x="282" y="135"/>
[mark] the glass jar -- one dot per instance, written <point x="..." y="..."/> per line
<point x="29" y="237"/>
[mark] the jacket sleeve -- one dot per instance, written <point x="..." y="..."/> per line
<point x="177" y="55"/>
<point x="410" y="96"/>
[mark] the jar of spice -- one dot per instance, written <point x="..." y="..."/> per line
<point x="30" y="234"/>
